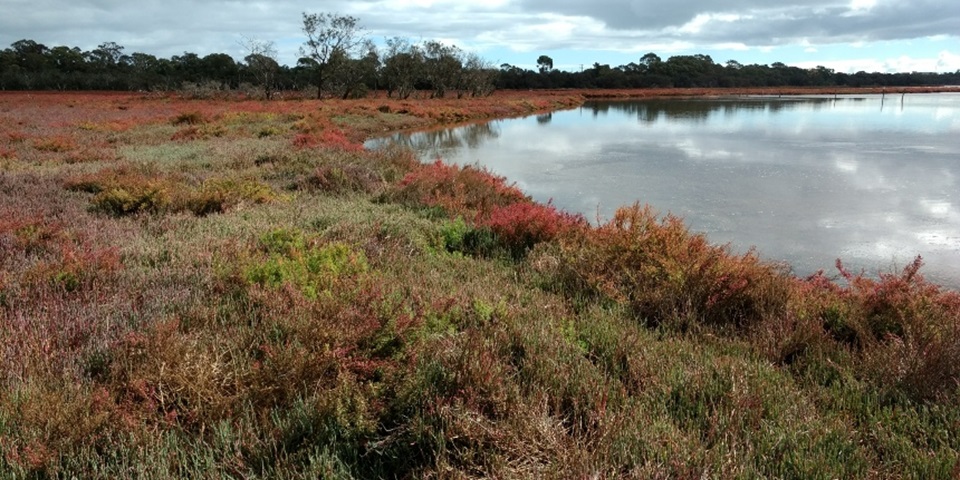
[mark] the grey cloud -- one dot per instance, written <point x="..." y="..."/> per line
<point x="652" y="14"/>
<point x="836" y="24"/>
<point x="762" y="24"/>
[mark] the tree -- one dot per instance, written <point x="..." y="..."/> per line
<point x="402" y="67"/>
<point x="352" y="75"/>
<point x="331" y="39"/>
<point x="443" y="67"/>
<point x="650" y="61"/>
<point x="478" y="76"/>
<point x="107" y="54"/>
<point x="220" y="67"/>
<point x="262" y="64"/>
<point x="545" y="64"/>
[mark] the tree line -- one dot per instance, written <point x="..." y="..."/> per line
<point x="700" y="71"/>
<point x="338" y="59"/>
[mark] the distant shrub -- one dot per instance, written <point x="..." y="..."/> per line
<point x="305" y="140"/>
<point x="36" y="236"/>
<point x="194" y="132"/>
<point x="73" y="267"/>
<point x="204" y="90"/>
<point x="120" y="192"/>
<point x="189" y="118"/>
<point x="90" y="155"/>
<point x="132" y="198"/>
<point x="16" y="137"/>
<point x="56" y="144"/>
<point x="221" y="195"/>
<point x="92" y="182"/>
<point x="266" y="132"/>
<point x="336" y="139"/>
<point x="344" y="178"/>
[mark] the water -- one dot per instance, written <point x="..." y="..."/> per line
<point x="870" y="179"/>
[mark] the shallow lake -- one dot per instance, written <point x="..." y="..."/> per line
<point x="872" y="180"/>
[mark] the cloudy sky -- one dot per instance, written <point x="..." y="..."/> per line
<point x="846" y="35"/>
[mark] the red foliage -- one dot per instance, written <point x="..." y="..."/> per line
<point x="467" y="192"/>
<point x="521" y="225"/>
<point x="16" y="137"/>
<point x="337" y="139"/>
<point x="305" y="140"/>
<point x="187" y="133"/>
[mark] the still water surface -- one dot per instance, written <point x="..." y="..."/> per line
<point x="872" y="180"/>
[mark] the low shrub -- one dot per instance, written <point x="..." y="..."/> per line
<point x="90" y="155"/>
<point x="313" y="269"/>
<point x="197" y="132"/>
<point x="454" y="234"/>
<point x="903" y="331"/>
<point x="334" y="138"/>
<point x="132" y="198"/>
<point x="469" y="192"/>
<point x="221" y="195"/>
<point x="663" y="273"/>
<point x="266" y="132"/>
<point x="520" y="226"/>
<point x="283" y="241"/>
<point x="72" y="267"/>
<point x="189" y="118"/>
<point x="122" y="192"/>
<point x="56" y="144"/>
<point x="344" y="178"/>
<point x="305" y="140"/>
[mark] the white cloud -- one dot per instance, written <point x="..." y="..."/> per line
<point x="948" y="62"/>
<point x="945" y="62"/>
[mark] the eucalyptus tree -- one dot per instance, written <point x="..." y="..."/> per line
<point x="403" y="66"/>
<point x="261" y="62"/>
<point x="332" y="39"/>
<point x="443" y="67"/>
<point x="478" y="76"/>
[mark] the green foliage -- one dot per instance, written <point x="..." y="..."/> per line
<point x="453" y="234"/>
<point x="221" y="195"/>
<point x="283" y="242"/>
<point x="314" y="270"/>
<point x="130" y="199"/>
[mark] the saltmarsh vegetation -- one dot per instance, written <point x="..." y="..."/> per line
<point x="237" y="289"/>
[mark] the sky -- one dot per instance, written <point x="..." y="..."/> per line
<point x="845" y="35"/>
